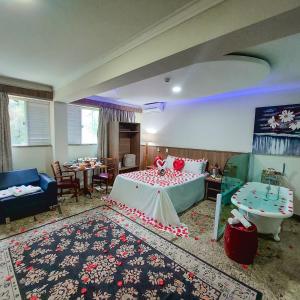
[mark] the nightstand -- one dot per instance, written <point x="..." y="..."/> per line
<point x="212" y="187"/>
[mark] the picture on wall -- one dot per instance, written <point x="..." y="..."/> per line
<point x="277" y="130"/>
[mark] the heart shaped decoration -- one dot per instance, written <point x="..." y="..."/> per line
<point x="178" y="164"/>
<point x="156" y="159"/>
<point x="160" y="162"/>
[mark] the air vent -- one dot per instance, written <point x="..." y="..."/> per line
<point x="153" y="107"/>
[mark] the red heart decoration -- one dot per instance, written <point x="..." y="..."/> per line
<point x="156" y="159"/>
<point x="160" y="162"/>
<point x="178" y="164"/>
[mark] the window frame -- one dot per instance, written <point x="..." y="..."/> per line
<point x="81" y="125"/>
<point x="32" y="100"/>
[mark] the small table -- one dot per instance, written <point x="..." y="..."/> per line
<point x="86" y="189"/>
<point x="212" y="187"/>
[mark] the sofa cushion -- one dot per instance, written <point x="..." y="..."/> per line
<point x="19" y="177"/>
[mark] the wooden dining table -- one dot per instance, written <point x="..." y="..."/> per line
<point x="77" y="169"/>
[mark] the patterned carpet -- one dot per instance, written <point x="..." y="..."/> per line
<point x="102" y="254"/>
<point x="275" y="271"/>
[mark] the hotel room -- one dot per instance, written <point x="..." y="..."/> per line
<point x="149" y="149"/>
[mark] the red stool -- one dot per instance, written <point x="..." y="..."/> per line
<point x="241" y="243"/>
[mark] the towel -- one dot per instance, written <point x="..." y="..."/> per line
<point x="18" y="191"/>
<point x="5" y="193"/>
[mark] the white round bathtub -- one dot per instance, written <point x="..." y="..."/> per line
<point x="264" y="205"/>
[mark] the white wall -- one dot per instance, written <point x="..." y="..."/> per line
<point x="75" y="151"/>
<point x="32" y="157"/>
<point x="223" y="123"/>
<point x="41" y="157"/>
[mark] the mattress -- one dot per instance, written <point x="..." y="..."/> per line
<point x="159" y="197"/>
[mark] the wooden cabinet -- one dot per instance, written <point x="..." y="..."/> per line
<point x="124" y="138"/>
<point x="212" y="187"/>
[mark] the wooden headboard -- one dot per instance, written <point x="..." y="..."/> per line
<point x="219" y="157"/>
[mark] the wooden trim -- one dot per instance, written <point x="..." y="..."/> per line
<point x="213" y="156"/>
<point x="26" y="92"/>
<point x="96" y="103"/>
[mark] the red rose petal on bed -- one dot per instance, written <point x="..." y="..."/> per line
<point x="119" y="283"/>
<point x="196" y="238"/>
<point x="83" y="291"/>
<point x="29" y="268"/>
<point x="160" y="281"/>
<point x="191" y="275"/>
<point x="245" y="267"/>
<point x="8" y="277"/>
<point x="34" y="297"/>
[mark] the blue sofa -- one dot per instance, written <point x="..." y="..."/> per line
<point x="27" y="205"/>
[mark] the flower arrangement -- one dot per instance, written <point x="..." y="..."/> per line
<point x="284" y="120"/>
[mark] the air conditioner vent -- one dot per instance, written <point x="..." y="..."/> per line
<point x="153" y="107"/>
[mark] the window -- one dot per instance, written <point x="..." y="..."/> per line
<point x="82" y="125"/>
<point x="29" y="121"/>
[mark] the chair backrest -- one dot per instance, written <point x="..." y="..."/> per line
<point x="56" y="169"/>
<point x="110" y="164"/>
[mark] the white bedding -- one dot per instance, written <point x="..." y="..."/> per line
<point x="159" y="197"/>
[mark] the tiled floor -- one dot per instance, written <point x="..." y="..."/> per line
<point x="276" y="271"/>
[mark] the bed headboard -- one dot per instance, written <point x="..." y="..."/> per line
<point x="213" y="156"/>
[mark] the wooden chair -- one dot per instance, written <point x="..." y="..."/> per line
<point x="104" y="177"/>
<point x="65" y="179"/>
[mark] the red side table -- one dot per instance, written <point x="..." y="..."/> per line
<point x="241" y="243"/>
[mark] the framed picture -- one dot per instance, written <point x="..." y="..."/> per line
<point x="277" y="130"/>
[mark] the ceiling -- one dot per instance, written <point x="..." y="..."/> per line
<point x="197" y="80"/>
<point x="284" y="57"/>
<point x="203" y="79"/>
<point x="62" y="40"/>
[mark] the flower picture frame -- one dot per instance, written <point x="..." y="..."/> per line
<point x="277" y="130"/>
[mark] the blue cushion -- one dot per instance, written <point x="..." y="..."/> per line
<point x="19" y="177"/>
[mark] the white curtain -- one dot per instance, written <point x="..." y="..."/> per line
<point x="5" y="139"/>
<point x="107" y="115"/>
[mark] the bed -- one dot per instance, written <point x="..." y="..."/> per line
<point x="159" y="197"/>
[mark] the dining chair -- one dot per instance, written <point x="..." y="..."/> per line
<point x="65" y="180"/>
<point x="104" y="177"/>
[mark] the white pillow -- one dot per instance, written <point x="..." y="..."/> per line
<point x="169" y="161"/>
<point x="195" y="166"/>
<point x="192" y="166"/>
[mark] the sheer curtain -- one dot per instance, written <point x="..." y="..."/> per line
<point x="107" y="115"/>
<point x="5" y="139"/>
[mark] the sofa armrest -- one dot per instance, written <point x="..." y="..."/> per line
<point x="47" y="182"/>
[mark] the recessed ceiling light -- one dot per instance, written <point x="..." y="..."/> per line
<point x="176" y="89"/>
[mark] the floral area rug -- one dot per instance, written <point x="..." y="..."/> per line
<point x="102" y="254"/>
